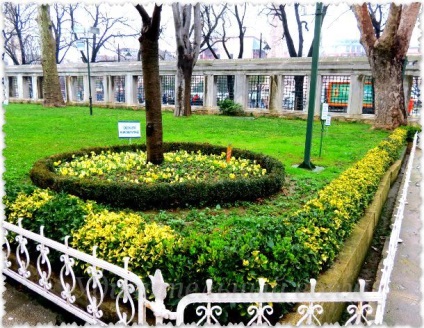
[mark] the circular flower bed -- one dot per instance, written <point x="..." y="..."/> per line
<point x="192" y="174"/>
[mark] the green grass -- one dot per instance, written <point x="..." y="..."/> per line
<point x="33" y="132"/>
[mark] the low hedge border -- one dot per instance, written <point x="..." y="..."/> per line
<point x="162" y="195"/>
<point x="343" y="274"/>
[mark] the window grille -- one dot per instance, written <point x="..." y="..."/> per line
<point x="335" y="92"/>
<point x="168" y="89"/>
<point x="119" y="85"/>
<point x="415" y="99"/>
<point x="258" y="91"/>
<point x="295" y="92"/>
<point x="80" y="88"/>
<point x="99" y="88"/>
<point x="225" y="87"/>
<point x="368" y="98"/>
<point x="197" y="87"/>
<point x="13" y="87"/>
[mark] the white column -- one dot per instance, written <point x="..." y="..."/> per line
<point x="105" y="89"/>
<point x="210" y="91"/>
<point x="240" y="88"/>
<point x="69" y="88"/>
<point x="135" y="89"/>
<point x="85" y="87"/>
<point x="129" y="95"/>
<point x="276" y="93"/>
<point x="34" y="80"/>
<point x="110" y="92"/>
<point x="6" y="89"/>
<point x="356" y="94"/>
<point x="20" y="85"/>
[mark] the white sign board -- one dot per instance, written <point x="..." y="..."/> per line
<point x="328" y="120"/>
<point x="129" y="129"/>
<point x="324" y="112"/>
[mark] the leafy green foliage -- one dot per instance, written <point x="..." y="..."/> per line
<point x="230" y="108"/>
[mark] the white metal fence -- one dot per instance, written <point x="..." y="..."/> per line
<point x="130" y="297"/>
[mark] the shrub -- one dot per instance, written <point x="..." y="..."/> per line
<point x="230" y="108"/>
<point x="125" y="194"/>
<point x="122" y="234"/>
<point x="59" y="213"/>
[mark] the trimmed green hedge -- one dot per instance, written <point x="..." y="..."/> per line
<point x="162" y="195"/>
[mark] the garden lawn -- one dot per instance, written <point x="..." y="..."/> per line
<point x="33" y="132"/>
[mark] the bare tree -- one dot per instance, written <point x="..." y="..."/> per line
<point x="20" y="33"/>
<point x="149" y="42"/>
<point x="187" y="53"/>
<point x="52" y="94"/>
<point x="280" y="12"/>
<point x="109" y="25"/>
<point x="62" y="18"/>
<point x="211" y="18"/>
<point x="216" y="23"/>
<point x="386" y="55"/>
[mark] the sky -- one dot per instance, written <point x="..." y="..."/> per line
<point x="339" y="24"/>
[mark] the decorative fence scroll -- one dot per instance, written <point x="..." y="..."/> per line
<point x="365" y="307"/>
<point x="130" y="286"/>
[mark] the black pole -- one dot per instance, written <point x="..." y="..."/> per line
<point x="89" y="80"/>
<point x="307" y="164"/>
<point x="257" y="86"/>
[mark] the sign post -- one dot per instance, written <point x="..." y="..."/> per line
<point x="324" y="118"/>
<point x="129" y="130"/>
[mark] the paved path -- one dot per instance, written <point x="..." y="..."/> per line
<point x="403" y="306"/>
<point x="21" y="308"/>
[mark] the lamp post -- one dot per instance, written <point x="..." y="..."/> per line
<point x="80" y="47"/>
<point x="266" y="48"/>
<point x="307" y="164"/>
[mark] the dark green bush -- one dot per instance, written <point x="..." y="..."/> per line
<point x="162" y="195"/>
<point x="411" y="130"/>
<point x="230" y="108"/>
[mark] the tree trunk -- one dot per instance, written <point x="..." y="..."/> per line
<point x="52" y="94"/>
<point x="187" y="53"/>
<point x="149" y="41"/>
<point x="182" y="100"/>
<point x="386" y="54"/>
<point x="389" y="101"/>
